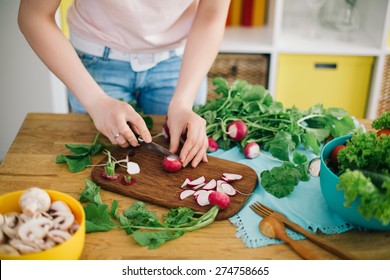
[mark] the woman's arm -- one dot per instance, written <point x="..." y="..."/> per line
<point x="36" y="20"/>
<point x="201" y="50"/>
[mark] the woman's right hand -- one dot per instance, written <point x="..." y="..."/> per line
<point x="118" y="121"/>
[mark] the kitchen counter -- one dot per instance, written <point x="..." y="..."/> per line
<point x="30" y="161"/>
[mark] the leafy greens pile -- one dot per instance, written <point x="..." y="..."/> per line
<point x="364" y="169"/>
<point x="143" y="224"/>
<point x="276" y="129"/>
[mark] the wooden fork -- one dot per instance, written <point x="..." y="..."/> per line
<point x="265" y="211"/>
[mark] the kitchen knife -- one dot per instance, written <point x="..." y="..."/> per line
<point x="157" y="148"/>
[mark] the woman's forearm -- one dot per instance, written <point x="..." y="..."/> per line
<point x="36" y="20"/>
<point x="201" y="48"/>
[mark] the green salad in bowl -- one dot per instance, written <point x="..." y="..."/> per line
<point x="355" y="176"/>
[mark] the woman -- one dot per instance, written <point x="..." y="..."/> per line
<point x="158" y="52"/>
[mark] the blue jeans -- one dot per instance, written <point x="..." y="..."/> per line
<point x="152" y="89"/>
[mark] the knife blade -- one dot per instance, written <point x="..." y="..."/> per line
<point x="157" y="148"/>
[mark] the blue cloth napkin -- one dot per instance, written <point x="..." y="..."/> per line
<point x="304" y="206"/>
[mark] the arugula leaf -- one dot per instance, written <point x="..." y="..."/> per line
<point x="97" y="218"/>
<point x="155" y="239"/>
<point x="81" y="155"/>
<point x="91" y="193"/>
<point x="180" y="216"/>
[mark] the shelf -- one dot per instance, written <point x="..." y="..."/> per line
<point x="296" y="38"/>
<point x="247" y="40"/>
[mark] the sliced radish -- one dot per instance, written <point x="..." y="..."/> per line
<point x="186" y="181"/>
<point x="220" y="182"/>
<point x="186" y="193"/>
<point x="212" y="184"/>
<point x="229" y="177"/>
<point x="227" y="188"/>
<point x="198" y="186"/>
<point x="197" y="181"/>
<point x="203" y="198"/>
<point x="110" y="178"/>
<point x="198" y="192"/>
<point x="133" y="168"/>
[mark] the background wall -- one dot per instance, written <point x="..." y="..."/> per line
<point x="26" y="85"/>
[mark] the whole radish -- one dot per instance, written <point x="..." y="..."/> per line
<point x="237" y="130"/>
<point x="219" y="199"/>
<point x="251" y="150"/>
<point x="213" y="145"/>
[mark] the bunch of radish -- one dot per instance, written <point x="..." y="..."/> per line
<point x="213" y="192"/>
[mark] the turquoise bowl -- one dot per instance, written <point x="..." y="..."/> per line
<point x="335" y="198"/>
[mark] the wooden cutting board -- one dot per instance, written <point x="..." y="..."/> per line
<point x="156" y="186"/>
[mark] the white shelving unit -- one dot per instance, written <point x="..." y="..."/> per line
<point x="287" y="28"/>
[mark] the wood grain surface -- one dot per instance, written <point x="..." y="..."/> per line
<point x="30" y="161"/>
<point x="156" y="186"/>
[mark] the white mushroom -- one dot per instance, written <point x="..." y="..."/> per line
<point x="8" y="250"/>
<point x="45" y="243"/>
<point x="34" y="199"/>
<point x="2" y="219"/>
<point x="63" y="220"/>
<point x="11" y="225"/>
<point x="59" y="236"/>
<point x="2" y="237"/>
<point x="59" y="206"/>
<point x="35" y="229"/>
<point x="74" y="227"/>
<point x="24" y="247"/>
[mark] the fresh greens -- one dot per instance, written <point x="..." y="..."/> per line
<point x="143" y="224"/>
<point x="382" y="122"/>
<point x="278" y="130"/>
<point x="364" y="169"/>
<point x="81" y="154"/>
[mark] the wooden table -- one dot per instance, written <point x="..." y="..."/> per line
<point x="31" y="162"/>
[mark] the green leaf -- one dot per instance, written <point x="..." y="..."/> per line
<point x="179" y="216"/>
<point x="96" y="148"/>
<point x="281" y="180"/>
<point x="382" y="122"/>
<point x="281" y="146"/>
<point x="78" y="148"/>
<point x="91" y="193"/>
<point x="97" y="218"/>
<point x="76" y="163"/>
<point x="309" y="140"/>
<point x="155" y="239"/>
<point x="299" y="158"/>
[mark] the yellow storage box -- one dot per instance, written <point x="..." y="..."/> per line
<point x="334" y="81"/>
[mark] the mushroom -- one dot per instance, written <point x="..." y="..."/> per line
<point x="8" y="250"/>
<point x="59" y="206"/>
<point x="63" y="220"/>
<point x="59" y="236"/>
<point x="74" y="227"/>
<point x="34" y="199"/>
<point x="45" y="243"/>
<point x="11" y="225"/>
<point x="35" y="229"/>
<point x="2" y="219"/>
<point x="24" y="247"/>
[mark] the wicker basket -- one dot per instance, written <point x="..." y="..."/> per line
<point x="384" y="98"/>
<point x="252" y="68"/>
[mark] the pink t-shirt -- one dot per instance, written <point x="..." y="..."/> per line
<point x="133" y="25"/>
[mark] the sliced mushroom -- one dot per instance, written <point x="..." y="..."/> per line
<point x="59" y="236"/>
<point x="59" y="206"/>
<point x="11" y="225"/>
<point x="24" y="247"/>
<point x="63" y="220"/>
<point x="34" y="199"/>
<point x="45" y="243"/>
<point x="8" y="250"/>
<point x="74" y="227"/>
<point x="2" y="219"/>
<point x="35" y="229"/>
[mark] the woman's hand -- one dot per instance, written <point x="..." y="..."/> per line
<point x="117" y="120"/>
<point x="183" y="121"/>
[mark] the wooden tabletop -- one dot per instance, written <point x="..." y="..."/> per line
<point x="30" y="161"/>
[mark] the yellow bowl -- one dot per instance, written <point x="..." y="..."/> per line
<point x="70" y="249"/>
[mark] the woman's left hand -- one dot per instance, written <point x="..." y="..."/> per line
<point x="184" y="122"/>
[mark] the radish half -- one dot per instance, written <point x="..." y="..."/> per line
<point x="203" y="197"/>
<point x="197" y="181"/>
<point x="186" y="193"/>
<point x="227" y="188"/>
<point x="171" y="164"/>
<point x="212" y="184"/>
